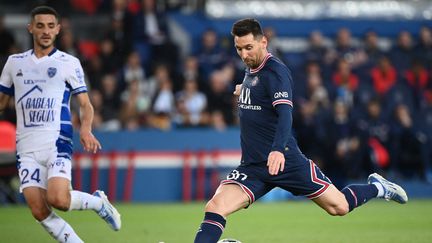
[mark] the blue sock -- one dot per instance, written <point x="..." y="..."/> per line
<point x="211" y="228"/>
<point x="357" y="195"/>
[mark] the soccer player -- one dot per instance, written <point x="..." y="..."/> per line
<point x="42" y="81"/>
<point x="270" y="155"/>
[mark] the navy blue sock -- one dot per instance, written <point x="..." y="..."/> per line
<point x="211" y="228"/>
<point x="357" y="195"/>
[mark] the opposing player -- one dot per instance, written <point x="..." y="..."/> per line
<point x="42" y="81"/>
<point x="270" y="155"/>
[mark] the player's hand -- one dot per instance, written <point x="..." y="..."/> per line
<point x="237" y="89"/>
<point x="89" y="142"/>
<point x="275" y="162"/>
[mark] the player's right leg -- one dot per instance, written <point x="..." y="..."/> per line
<point x="33" y="178"/>
<point x="227" y="199"/>
<point x="61" y="197"/>
<point x="59" y="229"/>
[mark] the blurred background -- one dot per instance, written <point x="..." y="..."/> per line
<point x="161" y="76"/>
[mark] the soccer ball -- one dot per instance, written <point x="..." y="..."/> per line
<point x="229" y="241"/>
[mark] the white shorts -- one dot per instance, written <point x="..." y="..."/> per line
<point x="36" y="168"/>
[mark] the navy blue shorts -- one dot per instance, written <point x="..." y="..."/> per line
<point x="302" y="178"/>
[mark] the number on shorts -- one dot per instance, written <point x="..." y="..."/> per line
<point x="235" y="174"/>
<point x="34" y="176"/>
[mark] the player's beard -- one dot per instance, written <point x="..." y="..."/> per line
<point x="45" y="45"/>
<point x="250" y="63"/>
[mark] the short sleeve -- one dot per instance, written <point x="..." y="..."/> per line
<point x="75" y="77"/>
<point x="6" y="82"/>
<point x="279" y="87"/>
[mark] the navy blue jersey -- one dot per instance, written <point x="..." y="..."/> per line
<point x="265" y="110"/>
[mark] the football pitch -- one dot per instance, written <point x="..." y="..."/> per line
<point x="283" y="222"/>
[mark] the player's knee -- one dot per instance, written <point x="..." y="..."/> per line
<point x="59" y="201"/>
<point x="216" y="205"/>
<point x="40" y="212"/>
<point x="338" y="210"/>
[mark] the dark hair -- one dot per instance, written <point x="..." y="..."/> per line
<point x="44" y="10"/>
<point x="246" y="26"/>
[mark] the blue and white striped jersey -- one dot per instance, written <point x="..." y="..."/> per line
<point x="42" y="88"/>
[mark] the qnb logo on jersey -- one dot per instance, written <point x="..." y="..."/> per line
<point x="278" y="95"/>
<point x="244" y="101"/>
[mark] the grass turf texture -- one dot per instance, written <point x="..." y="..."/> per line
<point x="293" y="221"/>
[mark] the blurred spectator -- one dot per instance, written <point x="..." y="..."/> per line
<point x="402" y="53"/>
<point x="7" y="41"/>
<point x="409" y="144"/>
<point x="423" y="49"/>
<point x="94" y="73"/>
<point x="210" y="55"/>
<point x="372" y="50"/>
<point x="110" y="60"/>
<point x="67" y="43"/>
<point x="383" y="75"/>
<point x="132" y="71"/>
<point x="110" y="100"/>
<point x="345" y="49"/>
<point x="272" y="44"/>
<point x="417" y="78"/>
<point x="344" y="161"/>
<point x="309" y="131"/>
<point x="345" y="82"/>
<point x="220" y="97"/>
<point x="120" y="31"/>
<point x="150" y="28"/>
<point x="190" y="70"/>
<point x="317" y="50"/>
<point x="374" y="133"/>
<point x="317" y="93"/>
<point x="191" y="105"/>
<point x="163" y="105"/>
<point x="97" y="102"/>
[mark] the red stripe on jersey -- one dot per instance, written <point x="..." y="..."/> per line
<point x="262" y="64"/>
<point x="248" y="192"/>
<point x="215" y="223"/>
<point x="282" y="101"/>
<point x="325" y="185"/>
<point x="354" y="195"/>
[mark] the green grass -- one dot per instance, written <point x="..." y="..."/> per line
<point x="293" y="221"/>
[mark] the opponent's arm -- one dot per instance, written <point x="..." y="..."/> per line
<point x="89" y="142"/>
<point x="4" y="100"/>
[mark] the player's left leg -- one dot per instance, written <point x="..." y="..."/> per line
<point x="337" y="202"/>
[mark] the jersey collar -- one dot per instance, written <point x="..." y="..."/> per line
<point x="262" y="64"/>
<point x="49" y="54"/>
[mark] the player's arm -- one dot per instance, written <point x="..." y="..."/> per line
<point x="4" y="100"/>
<point x="276" y="159"/>
<point x="279" y="88"/>
<point x="6" y="86"/>
<point x="87" y="139"/>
